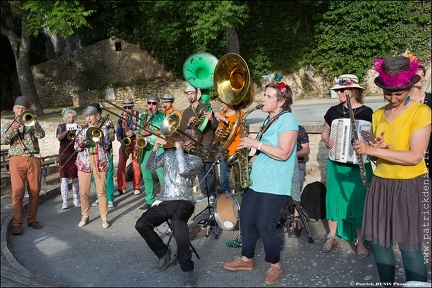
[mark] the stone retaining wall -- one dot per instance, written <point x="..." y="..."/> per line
<point x="316" y="164"/>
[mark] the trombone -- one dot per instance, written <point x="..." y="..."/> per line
<point x="93" y="135"/>
<point x="169" y="126"/>
<point x="27" y="119"/>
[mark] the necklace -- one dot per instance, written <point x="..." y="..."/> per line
<point x="345" y="112"/>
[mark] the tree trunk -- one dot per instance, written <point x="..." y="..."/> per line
<point x="21" y="50"/>
<point x="233" y="42"/>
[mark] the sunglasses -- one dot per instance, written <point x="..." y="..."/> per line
<point x="128" y="107"/>
<point x="151" y="103"/>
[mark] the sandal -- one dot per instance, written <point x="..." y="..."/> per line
<point x="362" y="251"/>
<point x="329" y="244"/>
<point x="35" y="225"/>
<point x="273" y="275"/>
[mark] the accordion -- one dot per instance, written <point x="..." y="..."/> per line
<point x="341" y="134"/>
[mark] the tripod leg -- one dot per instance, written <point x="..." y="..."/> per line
<point x="304" y="217"/>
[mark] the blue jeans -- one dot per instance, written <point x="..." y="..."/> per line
<point x="224" y="176"/>
<point x="259" y="213"/>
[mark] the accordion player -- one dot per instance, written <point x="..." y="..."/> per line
<point x="341" y="134"/>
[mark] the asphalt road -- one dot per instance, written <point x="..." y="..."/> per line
<point x="313" y="111"/>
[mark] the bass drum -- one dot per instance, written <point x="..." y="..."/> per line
<point x="227" y="210"/>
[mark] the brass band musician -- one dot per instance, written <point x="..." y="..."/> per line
<point x="125" y="131"/>
<point x="92" y="160"/>
<point x="190" y="115"/>
<point x="227" y="117"/>
<point x="24" y="164"/>
<point x="155" y="118"/>
<point x="167" y="102"/>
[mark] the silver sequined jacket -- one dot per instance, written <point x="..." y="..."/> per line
<point x="179" y="172"/>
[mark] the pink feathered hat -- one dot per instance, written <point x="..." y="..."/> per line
<point x="396" y="73"/>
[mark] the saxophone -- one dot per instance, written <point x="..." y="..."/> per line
<point x="141" y="141"/>
<point x="126" y="140"/>
<point x="239" y="160"/>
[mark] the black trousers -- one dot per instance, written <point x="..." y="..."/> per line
<point x="179" y="212"/>
<point x="208" y="185"/>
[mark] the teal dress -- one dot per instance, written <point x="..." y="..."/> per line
<point x="345" y="197"/>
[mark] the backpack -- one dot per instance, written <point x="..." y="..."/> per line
<point x="313" y="200"/>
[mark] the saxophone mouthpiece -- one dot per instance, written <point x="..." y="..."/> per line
<point x="259" y="106"/>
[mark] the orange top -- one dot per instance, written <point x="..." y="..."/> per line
<point x="231" y="120"/>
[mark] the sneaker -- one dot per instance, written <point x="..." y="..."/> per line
<point x="212" y="200"/>
<point x="239" y="265"/>
<point x="189" y="279"/>
<point x="200" y="198"/>
<point x="110" y="204"/>
<point x="84" y="221"/>
<point x="64" y="205"/>
<point x="76" y="203"/>
<point x="105" y="223"/>
<point x="273" y="275"/>
<point x="96" y="203"/>
<point x="118" y="192"/>
<point x="137" y="192"/>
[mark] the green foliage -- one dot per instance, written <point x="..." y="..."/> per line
<point x="55" y="16"/>
<point x="353" y="33"/>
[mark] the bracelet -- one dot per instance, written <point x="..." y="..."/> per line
<point x="259" y="146"/>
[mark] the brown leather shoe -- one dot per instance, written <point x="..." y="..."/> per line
<point x="16" y="231"/>
<point x="35" y="225"/>
<point x="145" y="207"/>
<point x="273" y="275"/>
<point x="239" y="265"/>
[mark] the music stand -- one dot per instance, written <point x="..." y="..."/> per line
<point x="211" y="218"/>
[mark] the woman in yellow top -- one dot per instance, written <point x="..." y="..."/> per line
<point x="397" y="203"/>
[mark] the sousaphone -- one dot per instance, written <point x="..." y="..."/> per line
<point x="232" y="81"/>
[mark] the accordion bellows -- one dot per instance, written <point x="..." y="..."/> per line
<point x="341" y="132"/>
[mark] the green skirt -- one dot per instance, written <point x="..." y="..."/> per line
<point x="345" y="197"/>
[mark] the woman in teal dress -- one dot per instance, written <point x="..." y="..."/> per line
<point x="345" y="190"/>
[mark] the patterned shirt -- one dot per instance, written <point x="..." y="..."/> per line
<point x="302" y="138"/>
<point x="24" y="140"/>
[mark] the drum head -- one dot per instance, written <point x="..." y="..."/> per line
<point x="227" y="211"/>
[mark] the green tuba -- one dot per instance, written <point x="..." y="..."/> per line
<point x="198" y="70"/>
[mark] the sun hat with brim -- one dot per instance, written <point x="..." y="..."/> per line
<point x="346" y="81"/>
<point x="128" y="102"/>
<point x="168" y="98"/>
<point x="396" y="73"/>
<point x="190" y="88"/>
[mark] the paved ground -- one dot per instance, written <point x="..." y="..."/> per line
<point x="63" y="254"/>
